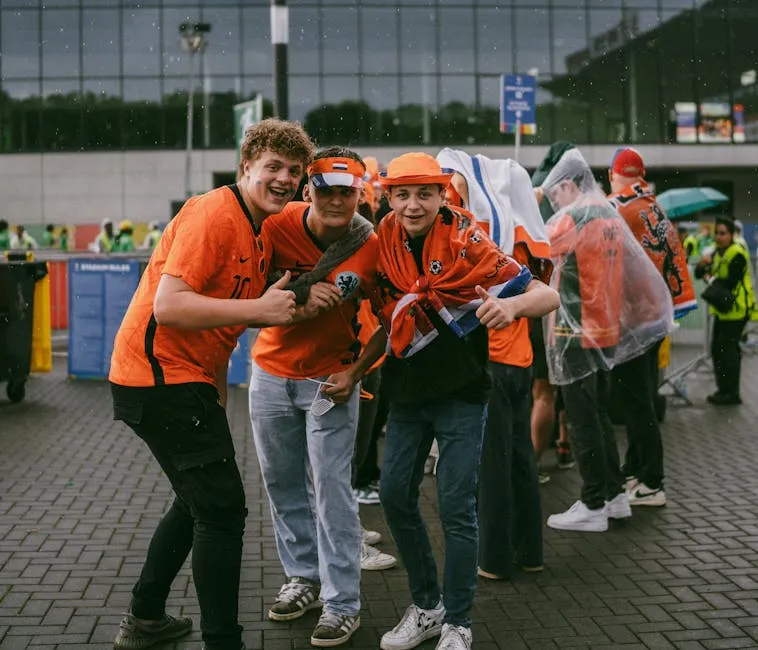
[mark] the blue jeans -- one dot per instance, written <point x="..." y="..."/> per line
<point x="459" y="429"/>
<point x="305" y="463"/>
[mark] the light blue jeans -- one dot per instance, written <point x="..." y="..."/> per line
<point x="305" y="463"/>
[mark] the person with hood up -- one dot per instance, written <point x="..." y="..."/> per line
<point x="614" y="306"/>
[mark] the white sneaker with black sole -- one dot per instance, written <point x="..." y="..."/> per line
<point x="334" y="629"/>
<point x="618" y="507"/>
<point x="372" y="559"/>
<point x="294" y="599"/>
<point x="455" y="637"/>
<point x="580" y="518"/>
<point x="416" y="626"/>
<point x="642" y="495"/>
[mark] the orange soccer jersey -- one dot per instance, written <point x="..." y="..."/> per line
<point x="329" y="342"/>
<point x="211" y="244"/>
<point x="511" y="346"/>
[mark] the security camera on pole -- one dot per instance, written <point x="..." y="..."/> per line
<point x="193" y="42"/>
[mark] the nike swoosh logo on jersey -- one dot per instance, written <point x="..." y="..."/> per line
<point x="243" y="259"/>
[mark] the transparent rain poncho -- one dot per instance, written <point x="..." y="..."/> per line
<point x="614" y="303"/>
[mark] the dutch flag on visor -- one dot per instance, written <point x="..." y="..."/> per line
<point x="339" y="165"/>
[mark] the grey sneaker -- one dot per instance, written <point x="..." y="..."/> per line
<point x="334" y="629"/>
<point x="137" y="633"/>
<point x="295" y="598"/>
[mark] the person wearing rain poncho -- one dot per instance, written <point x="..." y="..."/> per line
<point x="499" y="194"/>
<point x="614" y="305"/>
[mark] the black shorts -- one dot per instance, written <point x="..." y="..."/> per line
<point x="537" y="338"/>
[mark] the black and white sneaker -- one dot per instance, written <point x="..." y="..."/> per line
<point x="334" y="629"/>
<point x="416" y="626"/>
<point x="295" y="598"/>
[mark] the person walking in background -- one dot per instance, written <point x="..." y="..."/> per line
<point x="636" y="380"/>
<point x="436" y="266"/>
<point x="22" y="240"/>
<point x="203" y="286"/>
<point x="153" y="236"/>
<point x="63" y="239"/>
<point x="689" y="243"/>
<point x="729" y="274"/>
<point x="125" y="241"/>
<point x="48" y="237"/>
<point x="105" y="238"/>
<point x="5" y="236"/>
<point x="705" y="241"/>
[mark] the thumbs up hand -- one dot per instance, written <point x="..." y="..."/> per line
<point x="495" y="313"/>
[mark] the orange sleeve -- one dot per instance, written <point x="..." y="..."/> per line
<point x="199" y="247"/>
<point x="562" y="235"/>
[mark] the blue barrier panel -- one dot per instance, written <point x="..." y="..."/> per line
<point x="240" y="360"/>
<point x="99" y="291"/>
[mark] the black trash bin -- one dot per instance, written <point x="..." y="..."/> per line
<point x="17" y="280"/>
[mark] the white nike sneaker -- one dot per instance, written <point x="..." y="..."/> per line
<point x="455" y="637"/>
<point x="579" y="517"/>
<point x="372" y="559"/>
<point x="618" y="507"/>
<point x="642" y="495"/>
<point x="416" y="626"/>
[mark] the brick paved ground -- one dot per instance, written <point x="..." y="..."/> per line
<point x="79" y="498"/>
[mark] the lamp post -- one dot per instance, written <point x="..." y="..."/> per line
<point x="280" y="25"/>
<point x="193" y="42"/>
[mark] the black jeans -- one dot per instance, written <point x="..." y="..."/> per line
<point x="727" y="355"/>
<point x="365" y="441"/>
<point x="510" y="515"/>
<point x="188" y="434"/>
<point x="592" y="440"/>
<point x="637" y="383"/>
<point x="366" y="469"/>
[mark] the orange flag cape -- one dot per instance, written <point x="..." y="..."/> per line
<point x="457" y="256"/>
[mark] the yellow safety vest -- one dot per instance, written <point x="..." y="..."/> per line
<point x="744" y="298"/>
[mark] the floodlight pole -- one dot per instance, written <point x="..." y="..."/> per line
<point x="279" y="39"/>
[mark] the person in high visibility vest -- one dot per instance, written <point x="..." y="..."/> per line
<point x="104" y="241"/>
<point x="153" y="236"/>
<point x="730" y="266"/>
<point x="22" y="240"/>
<point x="689" y="243"/>
<point x="5" y="235"/>
<point x="125" y="241"/>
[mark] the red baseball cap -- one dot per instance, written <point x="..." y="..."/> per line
<point x="628" y="162"/>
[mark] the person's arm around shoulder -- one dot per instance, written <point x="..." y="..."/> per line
<point x="177" y="305"/>
<point x="498" y="313"/>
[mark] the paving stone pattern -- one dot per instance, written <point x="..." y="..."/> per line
<point x="80" y="497"/>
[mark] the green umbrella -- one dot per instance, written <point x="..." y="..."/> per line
<point x="684" y="201"/>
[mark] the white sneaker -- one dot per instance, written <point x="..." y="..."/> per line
<point x="416" y="626"/>
<point x="370" y="537"/>
<point x="372" y="559"/>
<point x="642" y="495"/>
<point x="455" y="637"/>
<point x="580" y="517"/>
<point x="618" y="507"/>
<point x="631" y="483"/>
<point x="367" y="496"/>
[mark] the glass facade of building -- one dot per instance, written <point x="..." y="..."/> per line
<point x="111" y="74"/>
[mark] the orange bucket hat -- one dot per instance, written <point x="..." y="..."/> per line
<point x="415" y="169"/>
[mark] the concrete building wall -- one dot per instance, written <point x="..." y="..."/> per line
<point x="79" y="188"/>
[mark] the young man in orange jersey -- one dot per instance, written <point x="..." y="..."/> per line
<point x="637" y="379"/>
<point x="204" y="284"/>
<point x="304" y="398"/>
